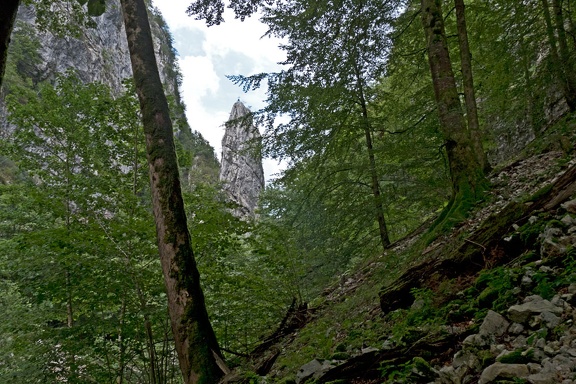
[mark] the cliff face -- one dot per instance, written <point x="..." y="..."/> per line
<point x="100" y="54"/>
<point x="241" y="170"/>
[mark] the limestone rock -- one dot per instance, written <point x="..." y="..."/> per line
<point x="313" y="370"/>
<point x="241" y="172"/>
<point x="493" y="324"/>
<point x="308" y="370"/>
<point x="522" y="312"/>
<point x="570" y="206"/>
<point x="504" y="371"/>
<point x="100" y="53"/>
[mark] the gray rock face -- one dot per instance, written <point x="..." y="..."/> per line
<point x="241" y="170"/>
<point x="100" y="53"/>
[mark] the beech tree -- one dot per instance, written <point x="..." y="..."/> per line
<point x="468" y="181"/>
<point x="468" y="82"/>
<point x="198" y="351"/>
<point x="559" y="54"/>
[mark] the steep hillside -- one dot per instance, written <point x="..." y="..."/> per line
<point x="404" y="315"/>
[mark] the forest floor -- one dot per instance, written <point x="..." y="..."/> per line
<point x="350" y="335"/>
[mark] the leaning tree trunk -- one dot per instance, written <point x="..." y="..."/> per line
<point x="467" y="176"/>
<point x="7" y="18"/>
<point x="194" y="338"/>
<point x="468" y="81"/>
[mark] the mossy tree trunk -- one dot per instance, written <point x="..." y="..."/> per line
<point x="467" y="175"/>
<point x="566" y="62"/>
<point x="557" y="63"/>
<point x="7" y="18"/>
<point x="195" y="341"/>
<point x="468" y="82"/>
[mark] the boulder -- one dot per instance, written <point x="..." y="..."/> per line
<point x="570" y="206"/>
<point x="535" y="305"/>
<point x="313" y="370"/>
<point x="494" y="324"/>
<point x="504" y="371"/>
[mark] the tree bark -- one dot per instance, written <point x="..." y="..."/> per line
<point x="467" y="176"/>
<point x="7" y="18"/>
<point x="555" y="59"/>
<point x="565" y="61"/>
<point x="468" y="81"/>
<point x="195" y="341"/>
<point x="382" y="228"/>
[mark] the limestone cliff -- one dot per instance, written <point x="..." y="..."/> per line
<point x="97" y="54"/>
<point x="100" y="54"/>
<point x="241" y="171"/>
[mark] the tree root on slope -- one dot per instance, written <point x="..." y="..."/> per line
<point x="483" y="248"/>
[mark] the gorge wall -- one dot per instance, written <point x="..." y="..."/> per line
<point x="100" y="54"/>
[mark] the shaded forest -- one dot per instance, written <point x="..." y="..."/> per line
<point x="417" y="134"/>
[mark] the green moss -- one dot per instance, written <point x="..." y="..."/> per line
<point x="423" y="367"/>
<point x="544" y="287"/>
<point x="341" y="347"/>
<point x="540" y="193"/>
<point x="555" y="224"/>
<point x="486" y="358"/>
<point x="517" y="357"/>
<point x="487" y="297"/>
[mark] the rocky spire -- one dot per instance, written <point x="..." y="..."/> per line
<point x="241" y="171"/>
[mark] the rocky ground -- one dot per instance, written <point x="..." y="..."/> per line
<point x="534" y="340"/>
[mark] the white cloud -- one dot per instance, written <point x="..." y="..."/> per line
<point x="207" y="56"/>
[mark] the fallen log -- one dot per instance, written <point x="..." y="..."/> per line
<point x="367" y="366"/>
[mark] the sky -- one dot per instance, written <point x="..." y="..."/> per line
<point x="207" y="55"/>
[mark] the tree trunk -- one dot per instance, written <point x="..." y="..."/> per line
<point x="467" y="176"/>
<point x="69" y="308"/>
<point x="382" y="229"/>
<point x="7" y="18"/>
<point x="195" y="341"/>
<point x="565" y="61"/>
<point x="468" y="81"/>
<point x="572" y="25"/>
<point x="555" y="60"/>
